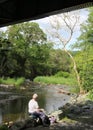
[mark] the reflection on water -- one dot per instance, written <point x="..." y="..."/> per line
<point x="13" y="110"/>
<point x="0" y="115"/>
<point x="17" y="109"/>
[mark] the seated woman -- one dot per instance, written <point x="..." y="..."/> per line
<point x="33" y="108"/>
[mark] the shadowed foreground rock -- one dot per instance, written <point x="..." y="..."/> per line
<point x="61" y="126"/>
<point x="79" y="117"/>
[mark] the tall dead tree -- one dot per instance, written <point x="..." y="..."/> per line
<point x="62" y="29"/>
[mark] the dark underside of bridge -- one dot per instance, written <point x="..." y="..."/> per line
<point x="16" y="11"/>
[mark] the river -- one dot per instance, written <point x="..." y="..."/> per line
<point x="14" y="104"/>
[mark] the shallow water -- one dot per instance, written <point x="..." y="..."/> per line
<point x="14" y="104"/>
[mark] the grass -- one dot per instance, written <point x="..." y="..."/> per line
<point x="12" y="81"/>
<point x="70" y="81"/>
<point x="67" y="120"/>
<point x="56" y="80"/>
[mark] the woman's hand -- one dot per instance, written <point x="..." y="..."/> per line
<point x="42" y="110"/>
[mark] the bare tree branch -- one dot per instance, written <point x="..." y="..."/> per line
<point x="65" y="23"/>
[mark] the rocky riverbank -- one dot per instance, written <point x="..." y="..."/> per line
<point x="76" y="115"/>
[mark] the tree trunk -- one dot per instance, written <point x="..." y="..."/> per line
<point x="75" y="70"/>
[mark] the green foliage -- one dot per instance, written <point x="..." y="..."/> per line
<point x="59" y="61"/>
<point x="75" y="89"/>
<point x="12" y="81"/>
<point x="84" y="58"/>
<point x="56" y="80"/>
<point x="90" y="95"/>
<point x="87" y="76"/>
<point x="29" y="53"/>
<point x="20" y="81"/>
<point x="4" y="127"/>
<point x="62" y="74"/>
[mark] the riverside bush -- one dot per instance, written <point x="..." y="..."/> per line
<point x="3" y="127"/>
<point x="12" y="81"/>
<point x="62" y="74"/>
<point x="56" y="80"/>
<point x="90" y="95"/>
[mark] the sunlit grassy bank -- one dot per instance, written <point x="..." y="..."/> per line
<point x="69" y="82"/>
<point x="12" y="81"/>
<point x="56" y="80"/>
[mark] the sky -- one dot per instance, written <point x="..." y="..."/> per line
<point x="45" y="26"/>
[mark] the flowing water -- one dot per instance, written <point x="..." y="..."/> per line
<point x="14" y="104"/>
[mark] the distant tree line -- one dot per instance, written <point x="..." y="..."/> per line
<point x="25" y="52"/>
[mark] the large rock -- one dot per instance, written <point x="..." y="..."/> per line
<point x="23" y="124"/>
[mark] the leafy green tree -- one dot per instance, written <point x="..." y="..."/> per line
<point x="30" y="50"/>
<point x="85" y="45"/>
<point x="5" y="48"/>
<point x="59" y="61"/>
